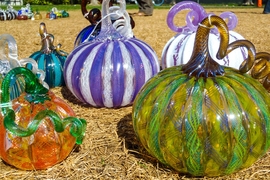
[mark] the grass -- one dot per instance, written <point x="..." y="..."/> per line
<point x="129" y="6"/>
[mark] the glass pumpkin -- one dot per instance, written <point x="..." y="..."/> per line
<point x="25" y="13"/>
<point x="22" y="17"/>
<point x="3" y="15"/>
<point x="12" y="13"/>
<point x="179" y="48"/>
<point x="28" y="11"/>
<point x="9" y="60"/>
<point x="52" y="15"/>
<point x="65" y="14"/>
<point x="50" y="58"/>
<point x="6" y="15"/>
<point x="37" y="129"/>
<point x="37" y="15"/>
<point x="48" y="14"/>
<point x="203" y="118"/>
<point x="109" y="70"/>
<point x="91" y="31"/>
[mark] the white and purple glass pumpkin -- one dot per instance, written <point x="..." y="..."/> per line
<point x="109" y="70"/>
<point x="179" y="48"/>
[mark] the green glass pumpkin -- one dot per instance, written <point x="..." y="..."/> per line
<point x="202" y="118"/>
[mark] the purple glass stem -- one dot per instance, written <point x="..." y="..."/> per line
<point x="232" y="19"/>
<point x="193" y="18"/>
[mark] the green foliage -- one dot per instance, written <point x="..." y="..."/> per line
<point x="37" y="2"/>
<point x="51" y="2"/>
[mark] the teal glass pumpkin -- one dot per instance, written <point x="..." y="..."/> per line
<point x="202" y="118"/>
<point x="65" y="14"/>
<point x="50" y="58"/>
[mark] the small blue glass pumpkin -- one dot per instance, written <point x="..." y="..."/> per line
<point x="50" y="59"/>
<point x="92" y="30"/>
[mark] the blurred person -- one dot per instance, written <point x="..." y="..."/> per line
<point x="248" y="2"/>
<point x="146" y="8"/>
<point x="266" y="9"/>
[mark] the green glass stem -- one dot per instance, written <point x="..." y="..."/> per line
<point x="77" y="128"/>
<point x="32" y="85"/>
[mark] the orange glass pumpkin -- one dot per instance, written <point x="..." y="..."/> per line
<point x="37" y="129"/>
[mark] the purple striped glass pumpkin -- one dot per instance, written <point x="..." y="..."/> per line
<point x="179" y="48"/>
<point x="109" y="70"/>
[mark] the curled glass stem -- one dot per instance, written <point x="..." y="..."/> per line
<point x="107" y="31"/>
<point x="195" y="16"/>
<point x="32" y="85"/>
<point x="12" y="56"/>
<point x="247" y="63"/>
<point x="77" y="126"/>
<point x="84" y="10"/>
<point x="261" y="69"/>
<point x="59" y="51"/>
<point x="40" y="73"/>
<point x="46" y="39"/>
<point x="47" y="42"/>
<point x="94" y="16"/>
<point x="256" y="64"/>
<point x="201" y="64"/>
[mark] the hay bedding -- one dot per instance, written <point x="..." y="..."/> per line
<point x="110" y="149"/>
